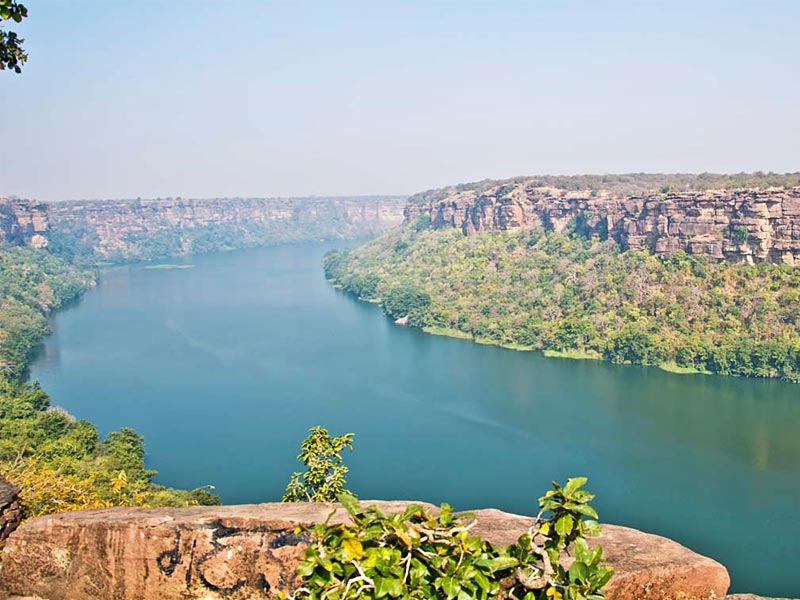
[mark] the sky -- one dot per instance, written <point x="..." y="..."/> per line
<point x="192" y="98"/>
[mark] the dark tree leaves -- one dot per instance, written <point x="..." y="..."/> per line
<point x="12" y="54"/>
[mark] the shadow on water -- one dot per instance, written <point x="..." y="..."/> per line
<point x="223" y="368"/>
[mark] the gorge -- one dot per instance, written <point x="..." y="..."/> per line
<point x="238" y="349"/>
<point x="118" y="230"/>
<point x="237" y="356"/>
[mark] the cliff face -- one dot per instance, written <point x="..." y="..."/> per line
<point x="23" y="222"/>
<point x="741" y="225"/>
<point x="148" y="228"/>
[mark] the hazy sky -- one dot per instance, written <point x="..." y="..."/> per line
<point x="260" y="98"/>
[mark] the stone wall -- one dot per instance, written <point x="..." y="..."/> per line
<point x="252" y="552"/>
<point x="741" y="225"/>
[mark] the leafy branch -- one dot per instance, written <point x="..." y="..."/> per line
<point x="419" y="555"/>
<point x="12" y="55"/>
<point x="324" y="478"/>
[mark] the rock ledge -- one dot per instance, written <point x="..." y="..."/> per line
<point x="251" y="551"/>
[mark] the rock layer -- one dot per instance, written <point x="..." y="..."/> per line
<point x="252" y="552"/>
<point x="743" y="225"/>
<point x="130" y="228"/>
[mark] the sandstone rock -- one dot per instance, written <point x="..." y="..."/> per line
<point x="252" y="551"/>
<point x="117" y="227"/>
<point x="740" y="225"/>
<point x="10" y="509"/>
<point x="749" y="597"/>
<point x="39" y="241"/>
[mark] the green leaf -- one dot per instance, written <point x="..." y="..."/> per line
<point x="573" y="483"/>
<point x="564" y="525"/>
<point x="450" y="586"/>
<point x="353" y="549"/>
<point x="350" y="503"/>
<point x="578" y="571"/>
<point x="584" y="509"/>
<point x="501" y="563"/>
<point x="388" y="586"/>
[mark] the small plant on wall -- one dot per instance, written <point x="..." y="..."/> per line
<point x="324" y="478"/>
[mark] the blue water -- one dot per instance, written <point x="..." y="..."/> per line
<point x="224" y="366"/>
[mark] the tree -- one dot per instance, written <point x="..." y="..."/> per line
<point x="12" y="55"/>
<point x="324" y="479"/>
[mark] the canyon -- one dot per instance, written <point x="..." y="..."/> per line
<point x="748" y="224"/>
<point x="146" y="229"/>
<point x="743" y="225"/>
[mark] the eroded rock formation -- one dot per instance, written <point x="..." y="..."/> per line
<point x="141" y="228"/>
<point x="10" y="509"/>
<point x="742" y="225"/>
<point x="252" y="552"/>
<point x="23" y="222"/>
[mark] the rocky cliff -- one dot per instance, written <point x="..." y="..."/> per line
<point x="748" y="225"/>
<point x="23" y="222"/>
<point x="151" y="228"/>
<point x="253" y="551"/>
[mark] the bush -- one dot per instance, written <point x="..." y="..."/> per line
<point x="417" y="554"/>
<point x="324" y="478"/>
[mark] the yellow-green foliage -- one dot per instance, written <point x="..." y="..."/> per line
<point x="324" y="477"/>
<point x="565" y="293"/>
<point x="418" y="554"/>
<point x="61" y="464"/>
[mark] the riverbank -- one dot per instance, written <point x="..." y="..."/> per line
<point x="570" y="354"/>
<point x="581" y="297"/>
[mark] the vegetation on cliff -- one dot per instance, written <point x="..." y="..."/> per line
<point x="59" y="462"/>
<point x="419" y="554"/>
<point x="636" y="183"/>
<point x="32" y="284"/>
<point x="422" y="554"/>
<point x="128" y="230"/>
<point x="565" y="293"/>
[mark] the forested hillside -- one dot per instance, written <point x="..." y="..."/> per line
<point x="59" y="462"/>
<point x="568" y="293"/>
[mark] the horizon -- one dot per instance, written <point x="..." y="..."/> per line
<point x="386" y="196"/>
<point x="280" y="100"/>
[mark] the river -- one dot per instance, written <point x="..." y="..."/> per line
<point x="225" y="364"/>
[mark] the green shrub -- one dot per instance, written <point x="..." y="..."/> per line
<point x="324" y="478"/>
<point x="418" y="554"/>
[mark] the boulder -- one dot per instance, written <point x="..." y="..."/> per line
<point x="252" y="551"/>
<point x="10" y="509"/>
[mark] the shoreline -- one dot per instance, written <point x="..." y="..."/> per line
<point x="669" y="367"/>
